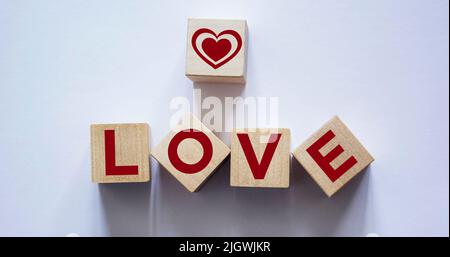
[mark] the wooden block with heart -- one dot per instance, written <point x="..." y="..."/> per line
<point x="120" y="153"/>
<point x="260" y="157"/>
<point x="216" y="50"/>
<point x="333" y="156"/>
<point x="191" y="152"/>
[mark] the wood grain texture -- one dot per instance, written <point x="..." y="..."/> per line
<point x="351" y="147"/>
<point x="234" y="71"/>
<point x="131" y="148"/>
<point x="190" y="151"/>
<point x="277" y="175"/>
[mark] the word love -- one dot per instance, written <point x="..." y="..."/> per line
<point x="259" y="157"/>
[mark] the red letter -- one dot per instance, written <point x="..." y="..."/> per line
<point x="258" y="169"/>
<point x="324" y="161"/>
<point x="202" y="138"/>
<point x="110" y="158"/>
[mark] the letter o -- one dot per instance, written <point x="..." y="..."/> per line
<point x="180" y="165"/>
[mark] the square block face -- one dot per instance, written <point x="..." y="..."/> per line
<point x="120" y="153"/>
<point x="216" y="50"/>
<point x="333" y="156"/>
<point x="260" y="157"/>
<point x="191" y="152"/>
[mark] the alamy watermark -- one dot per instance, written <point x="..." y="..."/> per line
<point x="223" y="115"/>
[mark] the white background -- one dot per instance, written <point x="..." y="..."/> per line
<point x="382" y="66"/>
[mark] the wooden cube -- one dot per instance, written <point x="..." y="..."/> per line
<point x="332" y="156"/>
<point x="120" y="153"/>
<point x="260" y="157"/>
<point x="216" y="50"/>
<point x="191" y="152"/>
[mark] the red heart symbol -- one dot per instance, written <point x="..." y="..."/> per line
<point x="216" y="49"/>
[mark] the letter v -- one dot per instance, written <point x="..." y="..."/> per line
<point x="259" y="170"/>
